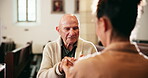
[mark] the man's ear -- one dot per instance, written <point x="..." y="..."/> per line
<point x="106" y="23"/>
<point x="57" y="28"/>
<point x="102" y="23"/>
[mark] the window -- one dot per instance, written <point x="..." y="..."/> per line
<point x="26" y="10"/>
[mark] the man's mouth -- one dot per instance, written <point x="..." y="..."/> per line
<point x="72" y="37"/>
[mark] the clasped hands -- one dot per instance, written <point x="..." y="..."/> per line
<point x="66" y="63"/>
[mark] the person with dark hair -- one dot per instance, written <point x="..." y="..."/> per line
<point x="120" y="59"/>
<point x="68" y="46"/>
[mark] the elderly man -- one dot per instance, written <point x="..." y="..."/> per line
<point x="69" y="44"/>
<point x="120" y="59"/>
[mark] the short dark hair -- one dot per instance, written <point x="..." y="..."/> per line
<point x="122" y="14"/>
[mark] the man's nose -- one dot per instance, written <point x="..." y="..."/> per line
<point x="72" y="32"/>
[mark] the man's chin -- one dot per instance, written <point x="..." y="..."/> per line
<point x="71" y="42"/>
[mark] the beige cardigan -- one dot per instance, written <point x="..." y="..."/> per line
<point x="52" y="57"/>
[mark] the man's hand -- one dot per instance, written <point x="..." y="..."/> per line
<point x="66" y="63"/>
<point x="81" y="55"/>
<point x="66" y="66"/>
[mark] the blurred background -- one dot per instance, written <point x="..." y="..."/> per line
<point x="34" y="22"/>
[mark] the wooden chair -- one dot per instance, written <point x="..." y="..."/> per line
<point x="4" y="48"/>
<point x="2" y="70"/>
<point x="17" y="60"/>
<point x="143" y="47"/>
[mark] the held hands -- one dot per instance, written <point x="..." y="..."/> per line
<point x="66" y="63"/>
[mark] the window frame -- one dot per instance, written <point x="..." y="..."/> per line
<point x="27" y="20"/>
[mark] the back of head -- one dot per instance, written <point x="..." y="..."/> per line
<point x="122" y="14"/>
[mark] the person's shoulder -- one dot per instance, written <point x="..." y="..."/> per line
<point x="89" y="56"/>
<point x="87" y="59"/>
<point x="52" y="43"/>
<point x="85" y="42"/>
<point x="83" y="64"/>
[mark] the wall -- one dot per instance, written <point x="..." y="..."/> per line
<point x="0" y="25"/>
<point x="39" y="32"/>
<point x="88" y="27"/>
<point x="142" y="25"/>
<point x="140" y="31"/>
<point x="44" y="29"/>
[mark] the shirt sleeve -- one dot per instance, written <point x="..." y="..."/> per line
<point x="57" y="69"/>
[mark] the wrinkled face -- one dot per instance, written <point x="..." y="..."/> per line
<point x="69" y="30"/>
